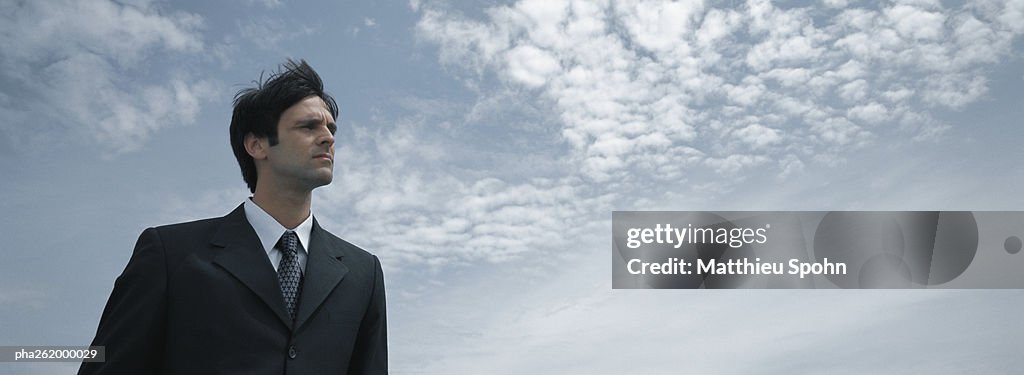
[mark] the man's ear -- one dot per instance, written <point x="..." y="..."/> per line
<point x="256" y="146"/>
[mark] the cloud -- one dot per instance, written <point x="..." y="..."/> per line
<point x="622" y="102"/>
<point x="622" y="74"/>
<point x="545" y="318"/>
<point x="916" y="23"/>
<point x="531" y="66"/>
<point x="758" y="135"/>
<point x="871" y="113"/>
<point x="22" y="298"/>
<point x="658" y="26"/>
<point x="269" y="4"/>
<point x="269" y="33"/>
<point x="48" y="31"/>
<point x="836" y="3"/>
<point x="396" y="192"/>
<point x="66" y="66"/>
<point x="202" y="205"/>
<point x="426" y="220"/>
<point x="640" y="94"/>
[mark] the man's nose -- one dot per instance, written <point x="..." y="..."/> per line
<point x="326" y="138"/>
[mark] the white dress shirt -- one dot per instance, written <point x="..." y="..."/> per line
<point x="270" y="231"/>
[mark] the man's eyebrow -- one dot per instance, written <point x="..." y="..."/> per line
<point x="316" y="121"/>
<point x="309" y="121"/>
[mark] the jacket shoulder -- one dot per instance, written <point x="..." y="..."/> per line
<point x="190" y="228"/>
<point x="347" y="248"/>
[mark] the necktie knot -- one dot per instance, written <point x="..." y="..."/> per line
<point x="289" y="243"/>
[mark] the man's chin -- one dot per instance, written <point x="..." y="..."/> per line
<point x="324" y="180"/>
<point x="317" y="180"/>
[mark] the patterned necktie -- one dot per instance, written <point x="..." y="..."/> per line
<point x="288" y="273"/>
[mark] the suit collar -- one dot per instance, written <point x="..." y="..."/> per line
<point x="324" y="271"/>
<point x="269" y="229"/>
<point x="243" y="257"/>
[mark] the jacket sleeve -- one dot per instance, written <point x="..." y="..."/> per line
<point x="370" y="356"/>
<point x="132" y="327"/>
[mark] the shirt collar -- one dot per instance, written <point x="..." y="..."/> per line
<point x="270" y="231"/>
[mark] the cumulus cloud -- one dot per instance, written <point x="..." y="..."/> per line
<point x="64" y="64"/>
<point x="686" y="73"/>
<point x="531" y="66"/>
<point x="394" y="193"/>
<point x="642" y="94"/>
<point x="758" y="135"/>
<point x="871" y="113"/>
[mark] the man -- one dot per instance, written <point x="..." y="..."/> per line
<point x="265" y="289"/>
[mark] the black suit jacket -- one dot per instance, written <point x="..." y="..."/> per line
<point x="203" y="298"/>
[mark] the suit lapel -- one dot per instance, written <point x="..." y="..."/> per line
<point x="324" y="270"/>
<point x="244" y="257"/>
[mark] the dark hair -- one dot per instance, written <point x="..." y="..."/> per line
<point x="258" y="109"/>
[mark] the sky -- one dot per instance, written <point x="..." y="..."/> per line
<point x="482" y="147"/>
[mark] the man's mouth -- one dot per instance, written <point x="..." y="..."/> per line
<point x="328" y="157"/>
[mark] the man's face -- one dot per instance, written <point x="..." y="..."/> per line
<point x="304" y="155"/>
